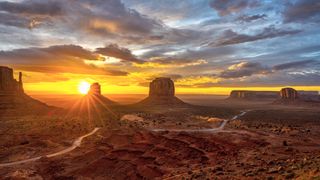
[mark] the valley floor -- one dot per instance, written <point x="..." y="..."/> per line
<point x="267" y="142"/>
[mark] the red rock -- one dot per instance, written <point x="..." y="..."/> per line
<point x="162" y="87"/>
<point x="288" y="94"/>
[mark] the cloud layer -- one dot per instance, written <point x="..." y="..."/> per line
<point x="199" y="43"/>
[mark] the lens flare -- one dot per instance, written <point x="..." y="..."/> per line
<point x="84" y="87"/>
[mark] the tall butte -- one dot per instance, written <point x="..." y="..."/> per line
<point x="162" y="92"/>
<point x="8" y="85"/>
<point x="12" y="96"/>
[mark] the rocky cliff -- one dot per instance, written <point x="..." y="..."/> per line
<point x="162" y="92"/>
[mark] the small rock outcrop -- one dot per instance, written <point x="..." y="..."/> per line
<point x="254" y="95"/>
<point x="288" y="94"/>
<point x="162" y="92"/>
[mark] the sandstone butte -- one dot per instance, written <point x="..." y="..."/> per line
<point x="162" y="92"/>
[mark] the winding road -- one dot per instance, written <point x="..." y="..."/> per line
<point x="209" y="130"/>
<point x="74" y="145"/>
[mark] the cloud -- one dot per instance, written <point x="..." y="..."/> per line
<point x="226" y="7"/>
<point x="113" y="50"/>
<point x="45" y="55"/>
<point x="295" y="64"/>
<point x="33" y="7"/>
<point x="244" y="69"/>
<point x="101" y="18"/>
<point x="13" y="20"/>
<point x="246" y="18"/>
<point x="302" y="11"/>
<point x="110" y="19"/>
<point x="230" y="37"/>
<point x="56" y="59"/>
<point x="171" y="63"/>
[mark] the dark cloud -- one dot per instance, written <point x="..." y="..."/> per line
<point x="112" y="17"/>
<point x="102" y="18"/>
<point x="296" y="64"/>
<point x="230" y="37"/>
<point x="49" y="54"/>
<point x="244" y="69"/>
<point x="246" y="18"/>
<point x="32" y="7"/>
<point x="302" y="11"/>
<point x="113" y="50"/>
<point x="56" y="59"/>
<point x="226" y="7"/>
<point x="13" y="20"/>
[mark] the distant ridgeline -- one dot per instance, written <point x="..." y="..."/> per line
<point x="286" y="94"/>
<point x="12" y="96"/>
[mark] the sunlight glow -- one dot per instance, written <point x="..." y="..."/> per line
<point x="84" y="87"/>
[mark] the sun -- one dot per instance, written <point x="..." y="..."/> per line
<point x="84" y="87"/>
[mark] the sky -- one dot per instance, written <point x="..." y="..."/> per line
<point x="205" y="46"/>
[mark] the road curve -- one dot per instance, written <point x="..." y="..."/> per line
<point x="76" y="143"/>
<point x="209" y="130"/>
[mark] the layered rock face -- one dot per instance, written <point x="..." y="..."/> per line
<point x="162" y="92"/>
<point x="288" y="94"/>
<point x="8" y="85"/>
<point x="254" y="95"/>
<point x="162" y="87"/>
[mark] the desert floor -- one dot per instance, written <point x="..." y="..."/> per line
<point x="200" y="142"/>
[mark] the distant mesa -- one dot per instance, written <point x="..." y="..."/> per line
<point x="162" y="92"/>
<point x="254" y="95"/>
<point x="294" y="97"/>
<point x="13" y="98"/>
<point x="289" y="94"/>
<point x="284" y="96"/>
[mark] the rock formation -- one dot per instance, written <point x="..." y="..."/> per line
<point x="95" y="89"/>
<point x="254" y="95"/>
<point x="288" y="94"/>
<point x="93" y="105"/>
<point x="162" y="87"/>
<point x="13" y="100"/>
<point x="8" y="85"/>
<point x="162" y="92"/>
